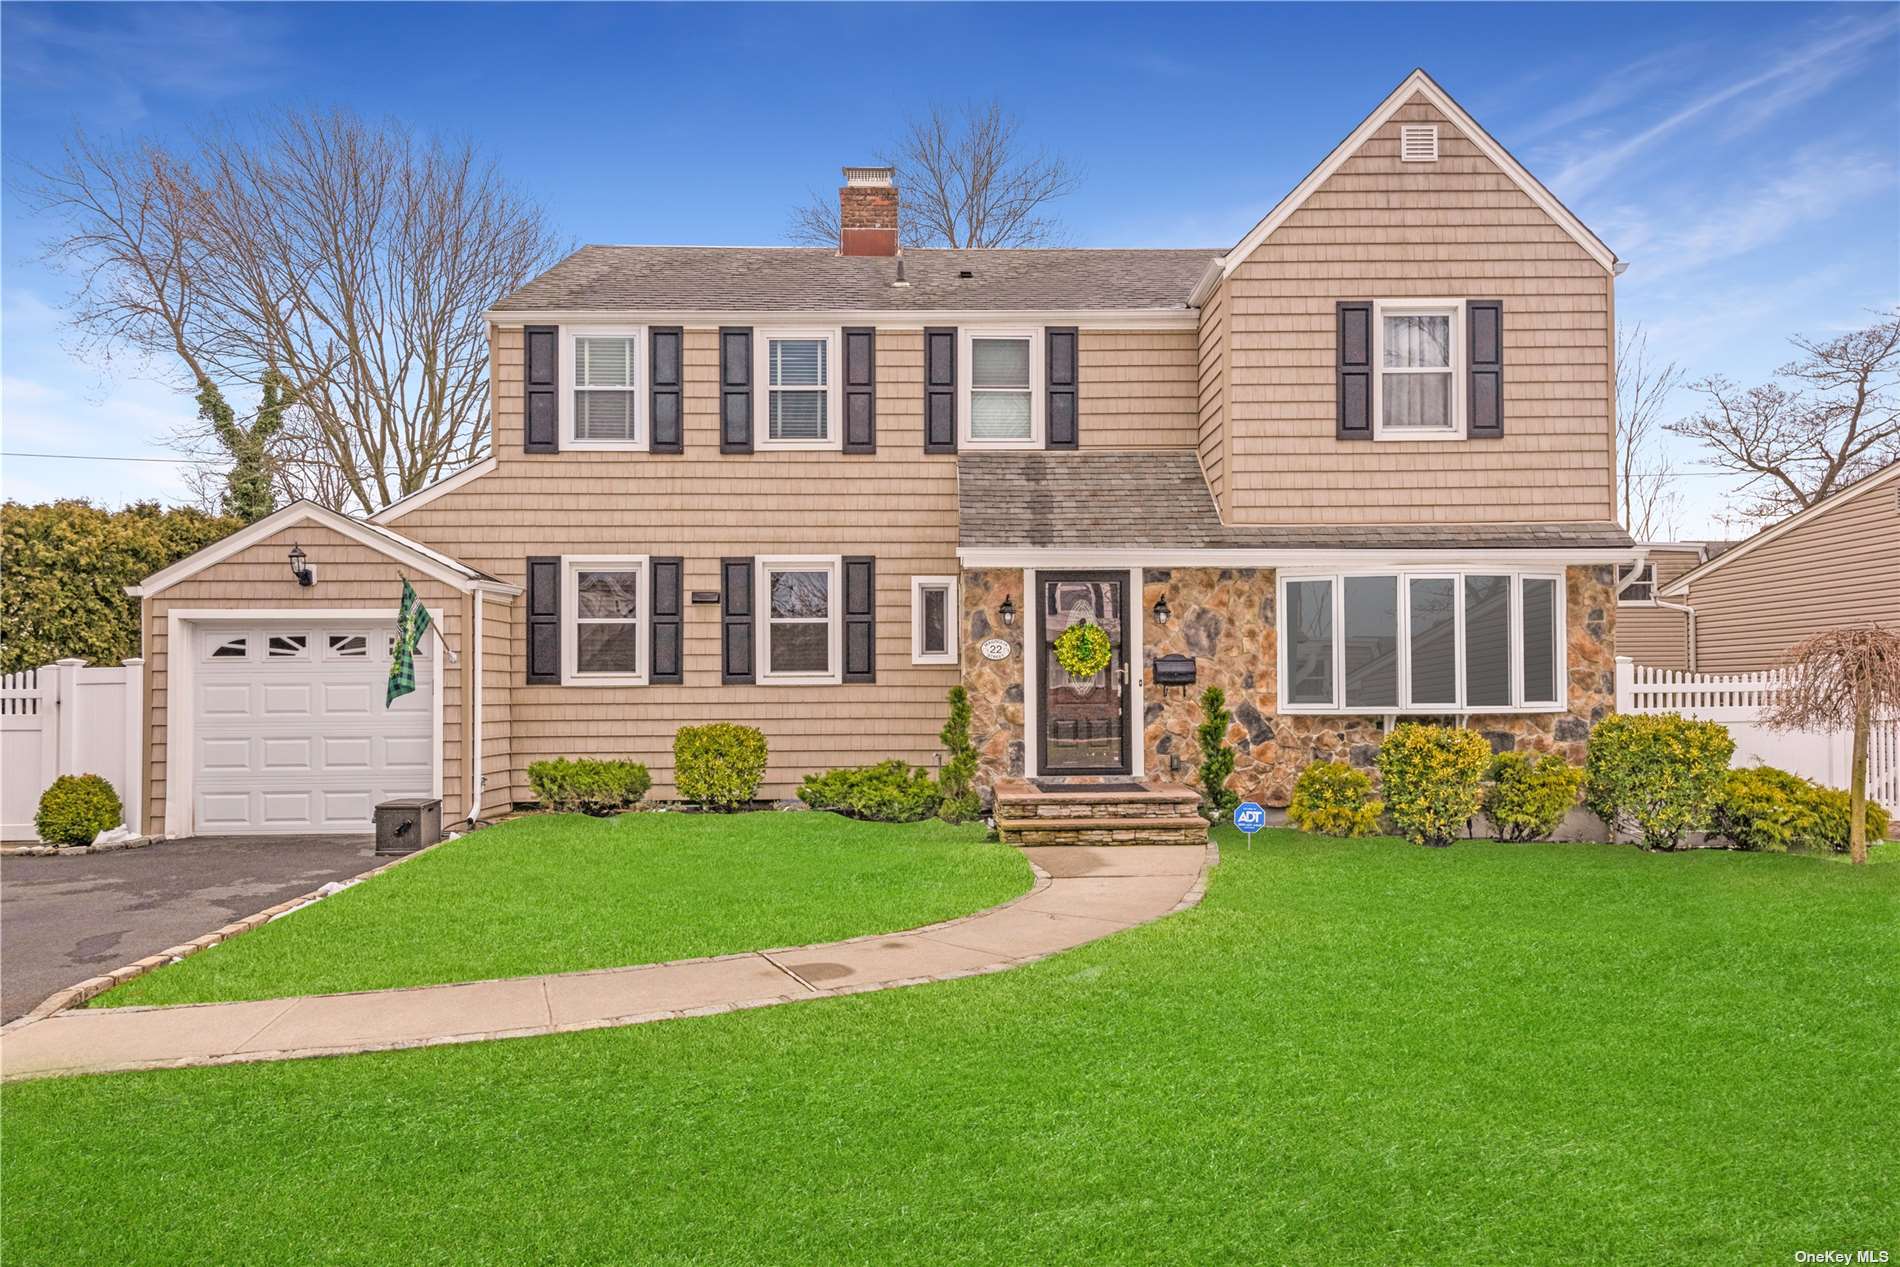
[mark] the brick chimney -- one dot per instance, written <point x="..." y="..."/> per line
<point x="867" y="212"/>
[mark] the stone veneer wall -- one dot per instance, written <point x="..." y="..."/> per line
<point x="995" y="686"/>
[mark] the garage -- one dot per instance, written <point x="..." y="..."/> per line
<point x="288" y="730"/>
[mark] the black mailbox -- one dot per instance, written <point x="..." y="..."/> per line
<point x="1174" y="670"/>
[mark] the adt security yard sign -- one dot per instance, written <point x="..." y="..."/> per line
<point x="1250" y="818"/>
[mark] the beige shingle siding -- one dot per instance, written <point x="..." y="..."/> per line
<point x="1211" y="436"/>
<point x="1381" y="229"/>
<point x="1657" y="636"/>
<point x="349" y="575"/>
<point x="1840" y="567"/>
<point x="498" y="678"/>
<point x="897" y="504"/>
<point x="1139" y="389"/>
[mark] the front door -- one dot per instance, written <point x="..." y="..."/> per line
<point x="1084" y="722"/>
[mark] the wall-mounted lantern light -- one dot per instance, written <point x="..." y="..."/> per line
<point x="1161" y="610"/>
<point x="1007" y="611"/>
<point x="305" y="574"/>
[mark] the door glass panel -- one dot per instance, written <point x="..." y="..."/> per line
<point x="1082" y="719"/>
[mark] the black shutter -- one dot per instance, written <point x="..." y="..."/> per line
<point x="1355" y="369"/>
<point x="735" y="620"/>
<point x="940" y="390"/>
<point x="860" y="389"/>
<point x="735" y="389"/>
<point x="860" y="618"/>
<point x="541" y="389"/>
<point x="665" y="434"/>
<point x="663" y="619"/>
<point x="1485" y="317"/>
<point x="1060" y="368"/>
<point x="544" y="620"/>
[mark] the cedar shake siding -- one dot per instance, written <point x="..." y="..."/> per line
<point x="1379" y="228"/>
<point x="1211" y="432"/>
<point x="1841" y="566"/>
<point x="1652" y="635"/>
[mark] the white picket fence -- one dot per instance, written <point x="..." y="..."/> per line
<point x="1737" y="700"/>
<point x="67" y="718"/>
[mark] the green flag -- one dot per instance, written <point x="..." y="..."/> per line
<point x="412" y="622"/>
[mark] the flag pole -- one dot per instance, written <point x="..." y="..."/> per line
<point x="436" y="627"/>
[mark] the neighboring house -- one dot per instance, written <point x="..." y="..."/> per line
<point x="1651" y="629"/>
<point x="1836" y="563"/>
<point x="1359" y="467"/>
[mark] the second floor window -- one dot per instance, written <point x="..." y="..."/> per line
<point x="797" y="375"/>
<point x="603" y="406"/>
<point x="1001" y="401"/>
<point x="1418" y="361"/>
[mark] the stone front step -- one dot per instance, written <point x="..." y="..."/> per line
<point x="1106" y="814"/>
<point x="1103" y="831"/>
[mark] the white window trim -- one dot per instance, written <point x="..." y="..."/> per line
<point x="638" y="334"/>
<point x="1038" y="387"/>
<point x="953" y="621"/>
<point x="1455" y="309"/>
<point x="571" y="567"/>
<point x="1646" y="567"/>
<point x="762" y="375"/>
<point x="834" y="613"/>
<point x="1560" y="640"/>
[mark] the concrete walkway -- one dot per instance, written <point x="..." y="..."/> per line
<point x="1080" y="895"/>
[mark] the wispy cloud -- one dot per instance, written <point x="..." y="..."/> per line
<point x="1792" y="78"/>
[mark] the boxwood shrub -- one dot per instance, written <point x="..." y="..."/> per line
<point x="889" y="792"/>
<point x="76" y="808"/>
<point x="1433" y="780"/>
<point x="718" y="765"/>
<point x="1333" y="799"/>
<point x="1656" y="774"/>
<point x="1529" y="796"/>
<point x="586" y="786"/>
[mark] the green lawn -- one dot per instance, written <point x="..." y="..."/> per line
<point x="562" y="893"/>
<point x="1352" y="1051"/>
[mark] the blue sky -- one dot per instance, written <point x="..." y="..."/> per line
<point x="1742" y="158"/>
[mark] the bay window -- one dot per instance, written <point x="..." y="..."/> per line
<point x="799" y="379"/>
<point x="799" y="631"/>
<point x="601" y="406"/>
<point x="1421" y="642"/>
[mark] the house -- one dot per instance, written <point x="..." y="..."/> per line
<point x="1357" y="467"/>
<point x="1651" y="629"/>
<point x="1835" y="563"/>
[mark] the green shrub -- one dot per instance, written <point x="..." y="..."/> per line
<point x="1764" y="809"/>
<point x="1432" y="777"/>
<point x="1334" y="799"/>
<point x="1528" y="798"/>
<point x="588" y="786"/>
<point x="718" y="764"/>
<point x="889" y="792"/>
<point x="1833" y="811"/>
<point x="957" y="781"/>
<point x="1656" y="774"/>
<point x="76" y="808"/>
<point x="1217" y="759"/>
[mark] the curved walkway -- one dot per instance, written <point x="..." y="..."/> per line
<point x="1080" y="895"/>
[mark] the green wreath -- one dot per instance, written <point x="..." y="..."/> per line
<point x="1083" y="649"/>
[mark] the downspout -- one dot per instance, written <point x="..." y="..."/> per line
<point x="1688" y="611"/>
<point x="475" y="720"/>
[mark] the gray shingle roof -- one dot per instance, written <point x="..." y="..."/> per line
<point x="755" y="278"/>
<point x="1158" y="499"/>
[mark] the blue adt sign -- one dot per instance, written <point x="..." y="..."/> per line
<point x="1249" y="817"/>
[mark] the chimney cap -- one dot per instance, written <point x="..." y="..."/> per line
<point x="869" y="177"/>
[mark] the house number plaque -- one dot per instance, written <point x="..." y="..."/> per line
<point x="995" y="648"/>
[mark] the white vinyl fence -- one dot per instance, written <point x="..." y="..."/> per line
<point x="1737" y="701"/>
<point x="67" y="718"/>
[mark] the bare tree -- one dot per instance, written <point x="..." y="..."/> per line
<point x="1648" y="500"/>
<point x="350" y="258"/>
<point x="1832" y="418"/>
<point x="1834" y="680"/>
<point x="967" y="180"/>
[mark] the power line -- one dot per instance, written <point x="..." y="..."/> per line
<point x="96" y="457"/>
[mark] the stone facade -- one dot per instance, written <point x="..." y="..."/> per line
<point x="1224" y="618"/>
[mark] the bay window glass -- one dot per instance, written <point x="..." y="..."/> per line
<point x="1001" y="405"/>
<point x="1487" y="641"/>
<point x="1308" y="629"/>
<point x="1432" y="615"/>
<point x="1371" y="641"/>
<point x="798" y="389"/>
<point x="604" y="388"/>
<point x="1538" y="602"/>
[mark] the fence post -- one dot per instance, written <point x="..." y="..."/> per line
<point x="1625" y="683"/>
<point x="66" y="714"/>
<point x="134" y="790"/>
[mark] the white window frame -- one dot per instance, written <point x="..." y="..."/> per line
<point x="1560" y="648"/>
<point x="834" y="616"/>
<point x="966" y="379"/>
<point x="639" y="389"/>
<point x="1643" y="573"/>
<point x="953" y="622"/>
<point x="571" y="567"/>
<point x="762" y="375"/>
<point x="1453" y="308"/>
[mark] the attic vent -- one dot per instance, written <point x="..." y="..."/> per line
<point x="1418" y="143"/>
<point x="965" y="274"/>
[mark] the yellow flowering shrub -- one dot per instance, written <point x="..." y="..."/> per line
<point x="1656" y="774"/>
<point x="1433" y="780"/>
<point x="1333" y="799"/>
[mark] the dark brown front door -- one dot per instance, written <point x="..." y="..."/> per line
<point x="1083" y="727"/>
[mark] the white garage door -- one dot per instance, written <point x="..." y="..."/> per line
<point x="289" y="729"/>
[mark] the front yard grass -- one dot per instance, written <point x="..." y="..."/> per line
<point x="1352" y="1051"/>
<point x="563" y="893"/>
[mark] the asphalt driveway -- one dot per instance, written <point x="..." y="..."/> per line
<point x="65" y="919"/>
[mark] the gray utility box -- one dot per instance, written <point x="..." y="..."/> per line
<point x="408" y="825"/>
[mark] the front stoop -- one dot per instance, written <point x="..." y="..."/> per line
<point x="1153" y="814"/>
